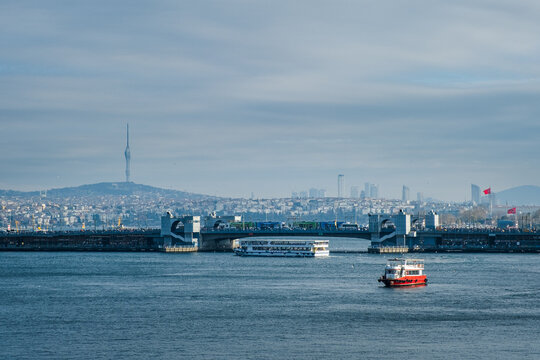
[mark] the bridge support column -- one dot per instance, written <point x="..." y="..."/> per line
<point x="402" y="224"/>
<point x="182" y="231"/>
<point x="216" y="245"/>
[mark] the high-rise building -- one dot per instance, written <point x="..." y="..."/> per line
<point x="420" y="197"/>
<point x="405" y="194"/>
<point x="127" y="154"/>
<point x="367" y="190"/>
<point x="355" y="192"/>
<point x="475" y="194"/>
<point x="316" y="193"/>
<point x="374" y="191"/>
<point x="340" y="184"/>
<point x="432" y="220"/>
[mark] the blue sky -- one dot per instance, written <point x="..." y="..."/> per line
<point x="233" y="97"/>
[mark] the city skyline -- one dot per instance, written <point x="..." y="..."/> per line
<point x="311" y="193"/>
<point x="271" y="99"/>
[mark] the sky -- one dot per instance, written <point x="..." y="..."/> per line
<point x="230" y="98"/>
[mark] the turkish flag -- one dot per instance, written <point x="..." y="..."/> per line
<point x="487" y="191"/>
<point x="512" y="211"/>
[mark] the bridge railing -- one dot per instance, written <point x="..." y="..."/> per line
<point x="229" y="230"/>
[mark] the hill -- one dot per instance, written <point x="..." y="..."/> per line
<point x="109" y="188"/>
<point x="520" y="195"/>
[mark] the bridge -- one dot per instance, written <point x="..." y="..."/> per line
<point x="186" y="232"/>
<point x="223" y="239"/>
<point x="384" y="230"/>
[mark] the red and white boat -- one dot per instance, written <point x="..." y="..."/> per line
<point x="404" y="272"/>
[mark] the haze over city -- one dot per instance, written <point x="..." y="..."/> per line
<point x="233" y="98"/>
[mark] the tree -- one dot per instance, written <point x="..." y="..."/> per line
<point x="473" y="215"/>
<point x="447" y="219"/>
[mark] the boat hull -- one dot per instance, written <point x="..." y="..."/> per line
<point x="281" y="253"/>
<point x="404" y="281"/>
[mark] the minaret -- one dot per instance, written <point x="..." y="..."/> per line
<point x="127" y="153"/>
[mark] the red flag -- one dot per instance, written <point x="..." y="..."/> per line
<point x="487" y="191"/>
<point x="512" y="211"/>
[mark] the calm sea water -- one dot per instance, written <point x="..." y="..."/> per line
<point x="221" y="306"/>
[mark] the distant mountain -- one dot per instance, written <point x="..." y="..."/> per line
<point x="520" y="195"/>
<point x="109" y="188"/>
<point x="18" y="193"/>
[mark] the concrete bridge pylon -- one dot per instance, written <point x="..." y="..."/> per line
<point x="180" y="231"/>
<point x="401" y="222"/>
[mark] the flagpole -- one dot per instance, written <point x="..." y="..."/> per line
<point x="490" y="204"/>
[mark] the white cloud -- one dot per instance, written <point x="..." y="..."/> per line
<point x="437" y="90"/>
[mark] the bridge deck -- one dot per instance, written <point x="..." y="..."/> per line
<point x="216" y="235"/>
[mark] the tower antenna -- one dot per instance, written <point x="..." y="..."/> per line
<point x="127" y="154"/>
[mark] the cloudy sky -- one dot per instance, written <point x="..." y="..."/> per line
<point x="233" y="97"/>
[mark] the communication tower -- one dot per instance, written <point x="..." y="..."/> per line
<point x="127" y="154"/>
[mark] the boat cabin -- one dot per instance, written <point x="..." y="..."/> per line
<point x="397" y="268"/>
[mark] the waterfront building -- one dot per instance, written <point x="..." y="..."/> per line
<point x="432" y="220"/>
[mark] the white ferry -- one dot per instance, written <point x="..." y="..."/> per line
<point x="259" y="247"/>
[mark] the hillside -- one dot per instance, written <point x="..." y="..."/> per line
<point x="109" y="188"/>
<point x="520" y="195"/>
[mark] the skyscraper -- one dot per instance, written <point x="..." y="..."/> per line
<point x="367" y="189"/>
<point x="127" y="154"/>
<point x="405" y="194"/>
<point x="355" y="192"/>
<point x="475" y="194"/>
<point x="373" y="191"/>
<point x="340" y="184"/>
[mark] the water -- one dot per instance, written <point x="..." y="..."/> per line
<point x="221" y="306"/>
